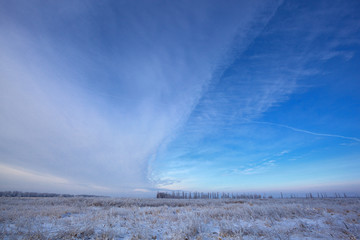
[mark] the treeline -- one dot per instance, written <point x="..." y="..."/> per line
<point x="324" y="195"/>
<point x="223" y="195"/>
<point x="209" y="195"/>
<point x="35" y="194"/>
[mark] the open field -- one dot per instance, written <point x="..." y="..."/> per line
<point x="115" y="218"/>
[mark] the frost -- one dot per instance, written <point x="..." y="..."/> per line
<point x="111" y="218"/>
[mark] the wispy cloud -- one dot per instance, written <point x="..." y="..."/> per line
<point x="255" y="169"/>
<point x="286" y="48"/>
<point x="308" y="132"/>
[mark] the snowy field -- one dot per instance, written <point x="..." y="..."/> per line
<point x="115" y="218"/>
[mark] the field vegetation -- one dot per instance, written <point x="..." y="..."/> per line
<point x="122" y="218"/>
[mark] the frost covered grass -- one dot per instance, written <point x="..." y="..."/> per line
<point x="119" y="218"/>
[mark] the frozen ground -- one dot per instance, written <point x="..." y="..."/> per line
<point x="112" y="218"/>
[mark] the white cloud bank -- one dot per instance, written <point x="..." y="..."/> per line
<point x="88" y="91"/>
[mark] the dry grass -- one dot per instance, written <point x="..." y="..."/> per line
<point x="111" y="218"/>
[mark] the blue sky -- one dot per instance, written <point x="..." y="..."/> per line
<point x="126" y="98"/>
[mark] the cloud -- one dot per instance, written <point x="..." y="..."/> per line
<point x="283" y="153"/>
<point x="285" y="48"/>
<point x="256" y="169"/>
<point x="308" y="132"/>
<point x="25" y="180"/>
<point x="90" y="90"/>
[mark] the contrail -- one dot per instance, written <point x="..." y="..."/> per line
<point x="308" y="132"/>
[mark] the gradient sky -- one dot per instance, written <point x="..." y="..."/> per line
<point x="125" y="98"/>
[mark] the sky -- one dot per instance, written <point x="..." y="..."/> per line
<point x="126" y="98"/>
